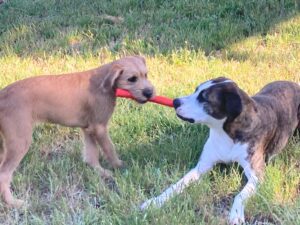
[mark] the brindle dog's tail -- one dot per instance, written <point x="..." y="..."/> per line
<point x="1" y="149"/>
<point x="297" y="132"/>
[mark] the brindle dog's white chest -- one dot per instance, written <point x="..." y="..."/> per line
<point x="221" y="148"/>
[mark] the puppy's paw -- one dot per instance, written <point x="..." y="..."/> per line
<point x="16" y="203"/>
<point x="119" y="164"/>
<point x="105" y="174"/>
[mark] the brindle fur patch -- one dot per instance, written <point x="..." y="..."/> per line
<point x="267" y="120"/>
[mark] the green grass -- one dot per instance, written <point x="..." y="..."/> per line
<point x="185" y="43"/>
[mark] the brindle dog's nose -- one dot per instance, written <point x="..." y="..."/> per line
<point x="148" y="93"/>
<point x="176" y="103"/>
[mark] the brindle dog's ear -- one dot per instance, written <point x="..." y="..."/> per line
<point x="233" y="104"/>
<point x="110" y="80"/>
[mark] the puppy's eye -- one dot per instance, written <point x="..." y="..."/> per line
<point x="146" y="75"/>
<point x="132" y="79"/>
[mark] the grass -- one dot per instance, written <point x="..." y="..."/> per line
<point x="185" y="43"/>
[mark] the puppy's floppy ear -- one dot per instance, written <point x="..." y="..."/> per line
<point x="141" y="58"/>
<point x="110" y="80"/>
<point x="233" y="104"/>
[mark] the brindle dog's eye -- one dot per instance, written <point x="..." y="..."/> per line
<point x="202" y="96"/>
<point x="132" y="79"/>
<point x="146" y="75"/>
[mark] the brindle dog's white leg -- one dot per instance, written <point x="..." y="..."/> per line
<point x="203" y="166"/>
<point x="237" y="210"/>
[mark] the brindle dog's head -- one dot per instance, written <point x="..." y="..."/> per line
<point x="212" y="103"/>
<point x="130" y="73"/>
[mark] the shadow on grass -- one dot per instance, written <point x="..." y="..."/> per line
<point x="43" y="28"/>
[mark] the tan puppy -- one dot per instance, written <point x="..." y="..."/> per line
<point x="85" y="99"/>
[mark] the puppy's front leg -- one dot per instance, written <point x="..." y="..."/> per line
<point x="107" y="146"/>
<point x="91" y="152"/>
<point x="193" y="175"/>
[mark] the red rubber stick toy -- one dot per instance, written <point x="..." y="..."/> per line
<point x="157" y="99"/>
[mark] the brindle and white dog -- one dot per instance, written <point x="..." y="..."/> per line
<point x="247" y="130"/>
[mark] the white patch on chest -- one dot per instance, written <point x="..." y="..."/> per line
<point x="221" y="148"/>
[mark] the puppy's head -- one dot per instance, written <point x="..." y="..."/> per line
<point x="130" y="73"/>
<point x="212" y="103"/>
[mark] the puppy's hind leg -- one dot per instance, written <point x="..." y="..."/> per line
<point x="91" y="152"/>
<point x="16" y="145"/>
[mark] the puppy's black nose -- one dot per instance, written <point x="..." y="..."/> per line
<point x="148" y="93"/>
<point x="176" y="103"/>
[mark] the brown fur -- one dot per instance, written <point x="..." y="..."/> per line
<point x="266" y="121"/>
<point x="83" y="99"/>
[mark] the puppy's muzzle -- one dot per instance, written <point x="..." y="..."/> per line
<point x="148" y="93"/>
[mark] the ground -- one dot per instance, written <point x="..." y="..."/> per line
<point x="185" y="43"/>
